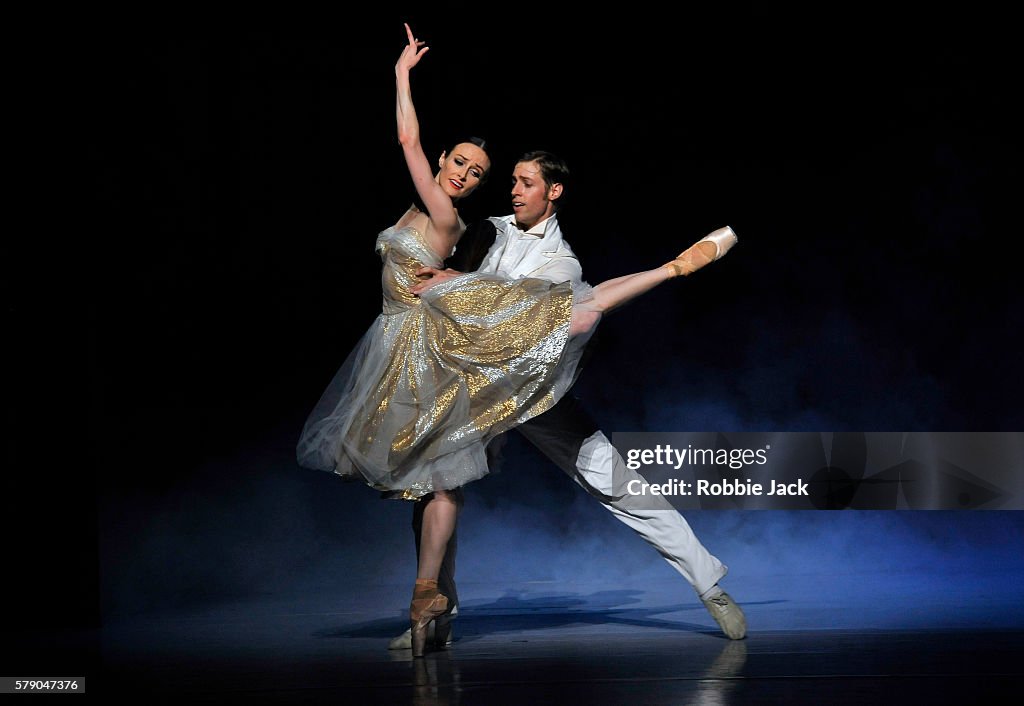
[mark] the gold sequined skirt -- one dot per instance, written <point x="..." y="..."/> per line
<point x="427" y="388"/>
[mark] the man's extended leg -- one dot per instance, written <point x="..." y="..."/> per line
<point x="569" y="436"/>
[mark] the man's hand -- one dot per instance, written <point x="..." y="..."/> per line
<point x="436" y="277"/>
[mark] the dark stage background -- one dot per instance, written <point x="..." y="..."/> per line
<point x="215" y="265"/>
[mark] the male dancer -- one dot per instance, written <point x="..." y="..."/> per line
<point x="529" y="244"/>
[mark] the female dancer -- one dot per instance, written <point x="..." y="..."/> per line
<point x="438" y="376"/>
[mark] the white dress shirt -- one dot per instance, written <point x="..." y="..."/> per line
<point x="538" y="252"/>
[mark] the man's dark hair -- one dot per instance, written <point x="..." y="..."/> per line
<point x="553" y="168"/>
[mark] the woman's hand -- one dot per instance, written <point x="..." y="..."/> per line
<point x="411" y="53"/>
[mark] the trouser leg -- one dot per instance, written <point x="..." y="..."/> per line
<point x="569" y="437"/>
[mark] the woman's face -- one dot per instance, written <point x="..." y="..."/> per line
<point x="462" y="170"/>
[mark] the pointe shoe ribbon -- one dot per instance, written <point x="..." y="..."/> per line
<point x="711" y="247"/>
<point x="427" y="604"/>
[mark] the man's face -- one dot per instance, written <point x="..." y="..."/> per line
<point x="532" y="199"/>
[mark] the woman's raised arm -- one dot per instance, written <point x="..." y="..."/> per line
<point x="439" y="204"/>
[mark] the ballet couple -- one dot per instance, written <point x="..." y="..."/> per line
<point x="458" y="357"/>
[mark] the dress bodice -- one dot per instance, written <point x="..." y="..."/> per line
<point x="403" y="251"/>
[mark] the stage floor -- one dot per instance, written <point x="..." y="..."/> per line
<point x="539" y="644"/>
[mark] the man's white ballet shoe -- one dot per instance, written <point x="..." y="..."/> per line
<point x="728" y="615"/>
<point x="404" y="641"/>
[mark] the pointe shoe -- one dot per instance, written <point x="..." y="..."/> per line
<point x="698" y="255"/>
<point x="427" y="604"/>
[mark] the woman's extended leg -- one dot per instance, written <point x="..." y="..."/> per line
<point x="616" y="292"/>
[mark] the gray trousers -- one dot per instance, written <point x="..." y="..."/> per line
<point x="569" y="436"/>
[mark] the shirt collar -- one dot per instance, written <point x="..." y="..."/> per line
<point x="539" y="230"/>
<point x="550" y="245"/>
